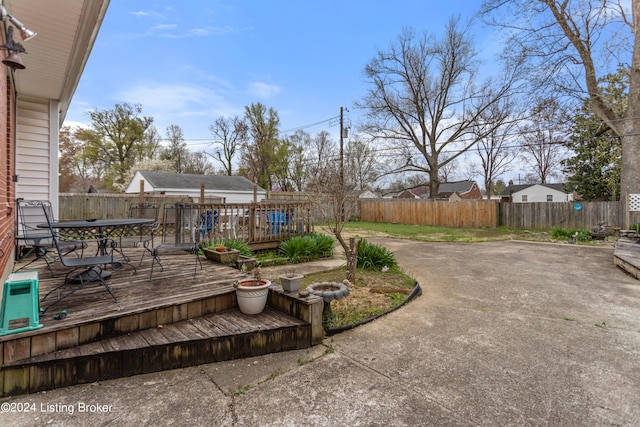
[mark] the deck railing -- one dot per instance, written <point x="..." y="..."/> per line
<point x="260" y="224"/>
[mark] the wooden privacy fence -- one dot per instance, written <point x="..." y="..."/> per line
<point x="104" y="205"/>
<point x="564" y="215"/>
<point x="483" y="213"/>
<point x="473" y="213"/>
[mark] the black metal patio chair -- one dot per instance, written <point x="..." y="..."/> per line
<point x="39" y="240"/>
<point x="141" y="236"/>
<point x="84" y="270"/>
<point x="180" y="232"/>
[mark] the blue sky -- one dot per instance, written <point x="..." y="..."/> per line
<point x="188" y="63"/>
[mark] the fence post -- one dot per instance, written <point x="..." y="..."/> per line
<point x="252" y="221"/>
<point x="141" y="195"/>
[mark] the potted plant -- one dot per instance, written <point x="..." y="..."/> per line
<point x="291" y="281"/>
<point x="252" y="293"/>
<point x="218" y="252"/>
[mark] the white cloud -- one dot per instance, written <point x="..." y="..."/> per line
<point x="263" y="90"/>
<point x="179" y="104"/>
<point x="143" y="14"/>
<point x="75" y="125"/>
<point x="161" y="27"/>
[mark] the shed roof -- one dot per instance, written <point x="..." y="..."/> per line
<point x="162" y="180"/>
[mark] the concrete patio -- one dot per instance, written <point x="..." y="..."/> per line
<point x="505" y="333"/>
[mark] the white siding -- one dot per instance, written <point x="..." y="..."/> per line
<point x="33" y="149"/>
<point x="539" y="193"/>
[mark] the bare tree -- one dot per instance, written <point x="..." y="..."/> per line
<point x="543" y="136"/>
<point x="322" y="160"/>
<point x="448" y="169"/>
<point x="571" y="45"/>
<point x="197" y="162"/>
<point x="360" y="163"/>
<point x="334" y="209"/>
<point x="424" y="99"/>
<point x="298" y="173"/>
<point x="496" y="155"/>
<point x="229" y="135"/>
<point x="258" y="153"/>
<point x="152" y="147"/>
<point x="176" y="151"/>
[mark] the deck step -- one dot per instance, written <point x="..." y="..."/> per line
<point x="210" y="338"/>
<point x="626" y="255"/>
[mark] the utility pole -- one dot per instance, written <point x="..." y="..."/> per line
<point x="341" y="151"/>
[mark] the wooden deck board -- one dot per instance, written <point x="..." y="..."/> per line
<point x="173" y="321"/>
<point x="135" y="293"/>
<point x="626" y="255"/>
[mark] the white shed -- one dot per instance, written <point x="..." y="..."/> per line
<point x="233" y="189"/>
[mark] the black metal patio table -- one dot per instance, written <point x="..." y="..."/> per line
<point x="103" y="227"/>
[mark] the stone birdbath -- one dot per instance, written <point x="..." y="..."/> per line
<point x="328" y="291"/>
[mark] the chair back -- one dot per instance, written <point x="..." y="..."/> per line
<point x="144" y="210"/>
<point x="181" y="226"/>
<point x="48" y="218"/>
<point x="30" y="214"/>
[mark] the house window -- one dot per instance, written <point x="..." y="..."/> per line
<point x="549" y="197"/>
<point x="524" y="198"/>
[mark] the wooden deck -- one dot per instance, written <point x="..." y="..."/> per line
<point x="626" y="255"/>
<point x="173" y="321"/>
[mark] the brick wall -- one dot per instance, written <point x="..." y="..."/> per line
<point x="7" y="167"/>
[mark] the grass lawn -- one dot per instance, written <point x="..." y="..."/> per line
<point x="430" y="233"/>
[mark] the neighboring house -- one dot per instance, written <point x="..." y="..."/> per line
<point x="459" y="190"/>
<point x="367" y="194"/>
<point x="35" y="100"/>
<point x="406" y="194"/>
<point x="449" y="197"/>
<point x="529" y="193"/>
<point x="233" y="189"/>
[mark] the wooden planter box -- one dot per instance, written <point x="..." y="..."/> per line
<point x="227" y="257"/>
<point x="248" y="263"/>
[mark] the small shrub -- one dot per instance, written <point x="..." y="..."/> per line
<point x="324" y="245"/>
<point x="375" y="257"/>
<point x="238" y="245"/>
<point x="298" y="249"/>
<point x="307" y="248"/>
<point x="566" y="234"/>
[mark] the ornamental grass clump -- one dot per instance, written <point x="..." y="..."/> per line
<point x="307" y="248"/>
<point x="375" y="257"/>
<point x="237" y="244"/>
